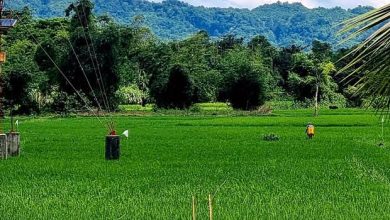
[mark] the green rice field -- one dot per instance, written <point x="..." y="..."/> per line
<point x="62" y="174"/>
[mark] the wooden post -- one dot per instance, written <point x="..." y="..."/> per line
<point x="3" y="146"/>
<point x="210" y="207"/>
<point x="316" y="100"/>
<point x="2" y="113"/>
<point x="193" y="208"/>
<point x="112" y="147"/>
<point x="13" y="143"/>
<point x="382" y="143"/>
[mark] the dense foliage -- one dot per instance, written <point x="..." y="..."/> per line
<point x="178" y="92"/>
<point x="86" y="62"/>
<point x="282" y="23"/>
<point x="243" y="81"/>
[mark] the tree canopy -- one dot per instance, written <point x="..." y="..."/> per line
<point x="282" y="24"/>
<point x="89" y="61"/>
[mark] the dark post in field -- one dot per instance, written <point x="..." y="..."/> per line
<point x="3" y="146"/>
<point x="112" y="147"/>
<point x="13" y="143"/>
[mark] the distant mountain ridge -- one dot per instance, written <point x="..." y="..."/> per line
<point x="282" y="23"/>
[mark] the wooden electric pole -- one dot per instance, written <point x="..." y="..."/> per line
<point x="6" y="144"/>
<point x="6" y="23"/>
<point x="1" y="72"/>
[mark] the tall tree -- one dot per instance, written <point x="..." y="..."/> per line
<point x="178" y="91"/>
<point x="244" y="80"/>
<point x="92" y="54"/>
<point x="284" y="61"/>
<point x="321" y="51"/>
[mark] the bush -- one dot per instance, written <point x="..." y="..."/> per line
<point x="334" y="99"/>
<point x="178" y="93"/>
<point x="246" y="90"/>
<point x="353" y="100"/>
<point x="15" y="93"/>
<point x="196" y="109"/>
<point x="43" y="101"/>
<point x="130" y="95"/>
<point x="245" y="80"/>
<point x="271" y="137"/>
<point x="246" y="93"/>
<point x="66" y="104"/>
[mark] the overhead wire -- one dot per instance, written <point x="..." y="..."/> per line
<point x="83" y="71"/>
<point x="86" y="105"/>
<point x="96" y="59"/>
<point x="110" y="124"/>
<point x="95" y="66"/>
<point x="97" y="63"/>
<point x="93" y="57"/>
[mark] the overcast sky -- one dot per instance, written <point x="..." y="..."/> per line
<point x="307" y="3"/>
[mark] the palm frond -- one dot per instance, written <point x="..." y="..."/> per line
<point x="372" y="56"/>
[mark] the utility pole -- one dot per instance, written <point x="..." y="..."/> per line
<point x="316" y="98"/>
<point x="6" y="23"/>
<point x="2" y="60"/>
<point x="9" y="143"/>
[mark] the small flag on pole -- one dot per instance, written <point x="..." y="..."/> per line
<point x="126" y="133"/>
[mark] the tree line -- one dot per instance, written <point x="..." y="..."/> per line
<point x="281" y="23"/>
<point x="85" y="61"/>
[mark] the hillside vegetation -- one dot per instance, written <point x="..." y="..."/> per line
<point x="282" y="23"/>
<point x="113" y="64"/>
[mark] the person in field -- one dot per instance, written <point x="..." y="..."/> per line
<point x="310" y="130"/>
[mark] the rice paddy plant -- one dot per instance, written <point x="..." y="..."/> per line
<point x="62" y="174"/>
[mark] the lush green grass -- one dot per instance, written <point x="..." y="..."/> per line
<point x="198" y="109"/>
<point x="62" y="173"/>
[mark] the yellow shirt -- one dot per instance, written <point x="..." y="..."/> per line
<point x="310" y="129"/>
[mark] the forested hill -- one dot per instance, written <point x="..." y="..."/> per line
<point x="281" y="23"/>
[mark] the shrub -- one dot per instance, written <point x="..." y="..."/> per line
<point x="65" y="104"/>
<point x="353" y="100"/>
<point x="178" y="92"/>
<point x="245" y="80"/>
<point x="271" y="137"/>
<point x="196" y="109"/>
<point x="246" y="90"/>
<point x="16" y="87"/>
<point x="334" y="99"/>
<point x="131" y="95"/>
<point x="265" y="109"/>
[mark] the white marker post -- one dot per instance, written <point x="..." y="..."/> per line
<point x="126" y="134"/>
<point x="383" y="130"/>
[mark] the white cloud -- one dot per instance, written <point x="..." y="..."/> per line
<point x="344" y="3"/>
<point x="307" y="3"/>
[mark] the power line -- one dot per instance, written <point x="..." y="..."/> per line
<point x="65" y="77"/>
